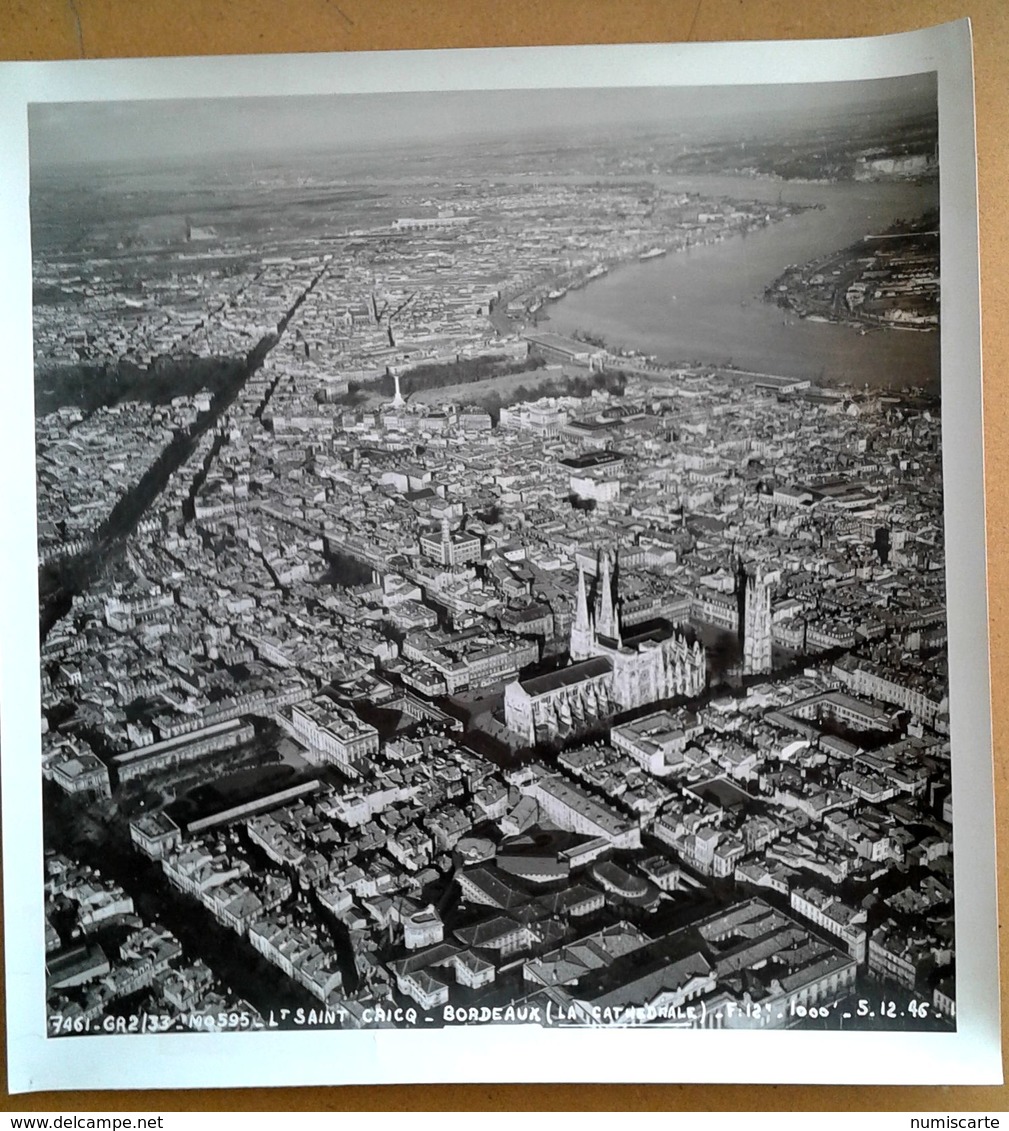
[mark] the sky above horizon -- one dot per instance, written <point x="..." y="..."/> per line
<point x="87" y="133"/>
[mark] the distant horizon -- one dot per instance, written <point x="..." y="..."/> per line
<point x="163" y="133"/>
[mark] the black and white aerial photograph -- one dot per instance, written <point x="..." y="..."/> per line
<point x="491" y="561"/>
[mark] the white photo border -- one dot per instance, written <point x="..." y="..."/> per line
<point x="473" y="1053"/>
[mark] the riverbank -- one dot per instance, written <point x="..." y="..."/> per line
<point x="888" y="280"/>
<point x="702" y="220"/>
<point x="706" y="303"/>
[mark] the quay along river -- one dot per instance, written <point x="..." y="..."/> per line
<point x="706" y="303"/>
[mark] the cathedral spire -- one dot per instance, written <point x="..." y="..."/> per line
<point x="581" y="628"/>
<point x="582" y="606"/>
<point x="606" y="617"/>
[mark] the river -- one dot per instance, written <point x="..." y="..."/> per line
<point x="706" y="303"/>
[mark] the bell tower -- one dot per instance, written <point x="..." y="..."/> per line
<point x="757" y="626"/>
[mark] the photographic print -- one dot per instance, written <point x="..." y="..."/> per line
<point x="492" y="562"/>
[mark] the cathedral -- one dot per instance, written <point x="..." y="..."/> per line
<point x="609" y="672"/>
